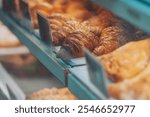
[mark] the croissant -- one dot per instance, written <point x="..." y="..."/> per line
<point x="57" y="20"/>
<point x="111" y="38"/>
<point x="137" y="87"/>
<point x="69" y="27"/>
<point x="80" y="38"/>
<point x="64" y="31"/>
<point x="127" y="61"/>
<point x="92" y="38"/>
<point x="59" y="24"/>
<point x="97" y="41"/>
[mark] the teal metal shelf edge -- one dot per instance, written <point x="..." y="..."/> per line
<point x="137" y="12"/>
<point x="37" y="48"/>
<point x="79" y="83"/>
<point x="77" y="88"/>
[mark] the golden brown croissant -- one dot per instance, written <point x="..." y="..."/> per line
<point x="127" y="61"/>
<point x="68" y="27"/>
<point x="91" y="38"/>
<point x="111" y="38"/>
<point x="52" y="94"/>
<point x="57" y="20"/>
<point x="59" y="24"/>
<point x="134" y="88"/>
<point x="80" y="38"/>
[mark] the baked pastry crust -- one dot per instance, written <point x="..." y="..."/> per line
<point x="52" y="94"/>
<point x="133" y="88"/>
<point x="127" y="61"/>
<point x="82" y="37"/>
<point x="111" y="38"/>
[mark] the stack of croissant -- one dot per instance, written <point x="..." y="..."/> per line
<point x="100" y="34"/>
<point x="78" y="24"/>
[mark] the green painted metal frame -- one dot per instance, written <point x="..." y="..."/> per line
<point x="80" y="90"/>
<point x="80" y="84"/>
<point x="137" y="12"/>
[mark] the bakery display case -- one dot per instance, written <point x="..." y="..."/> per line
<point x="57" y="33"/>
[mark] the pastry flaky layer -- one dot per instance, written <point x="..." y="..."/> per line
<point x="127" y="61"/>
<point x="136" y="88"/>
<point x="52" y="94"/>
<point x="129" y="67"/>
